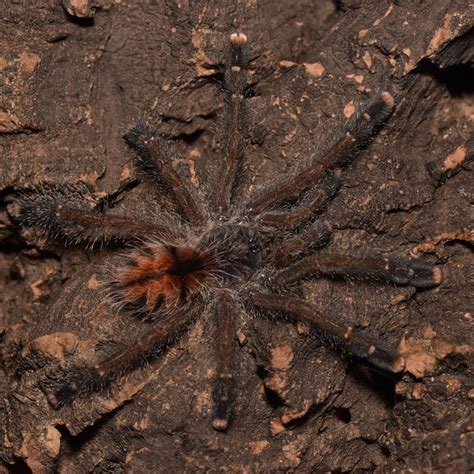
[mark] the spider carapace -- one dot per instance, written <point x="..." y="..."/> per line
<point x="226" y="256"/>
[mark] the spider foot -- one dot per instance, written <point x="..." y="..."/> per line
<point x="74" y="383"/>
<point x="223" y="397"/>
<point x="417" y="274"/>
<point x="48" y="209"/>
<point x="138" y="138"/>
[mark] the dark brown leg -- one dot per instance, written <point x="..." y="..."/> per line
<point x="93" y="379"/>
<point x="156" y="163"/>
<point x="359" y="131"/>
<point x="223" y="393"/>
<point x="65" y="215"/>
<point x="314" y="202"/>
<point x="340" y="337"/>
<point x="235" y="82"/>
<point x="317" y="235"/>
<point x="391" y="270"/>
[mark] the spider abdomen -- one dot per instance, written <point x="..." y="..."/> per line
<point x="158" y="277"/>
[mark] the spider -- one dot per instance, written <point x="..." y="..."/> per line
<point x="231" y="255"/>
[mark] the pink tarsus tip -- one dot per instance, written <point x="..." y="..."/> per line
<point x="437" y="275"/>
<point x="238" y="39"/>
<point x="220" y="424"/>
<point x="387" y="98"/>
<point x="398" y="364"/>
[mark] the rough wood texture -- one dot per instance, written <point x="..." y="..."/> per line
<point x="77" y="75"/>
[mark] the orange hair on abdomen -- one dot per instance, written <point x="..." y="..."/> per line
<point x="159" y="276"/>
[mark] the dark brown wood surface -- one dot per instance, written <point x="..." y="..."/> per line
<point x="75" y="76"/>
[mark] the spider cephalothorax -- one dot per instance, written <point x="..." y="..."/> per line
<point x="231" y="254"/>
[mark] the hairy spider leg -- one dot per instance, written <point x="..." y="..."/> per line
<point x="313" y="203"/>
<point x="224" y="383"/>
<point x="92" y="379"/>
<point x="341" y="337"/>
<point x="316" y="235"/>
<point x="64" y="214"/>
<point x="391" y="270"/>
<point x="359" y="131"/>
<point x="156" y="164"/>
<point x="235" y="83"/>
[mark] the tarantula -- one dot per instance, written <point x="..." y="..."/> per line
<point x="228" y="256"/>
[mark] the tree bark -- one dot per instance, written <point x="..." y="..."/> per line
<point x="76" y="76"/>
